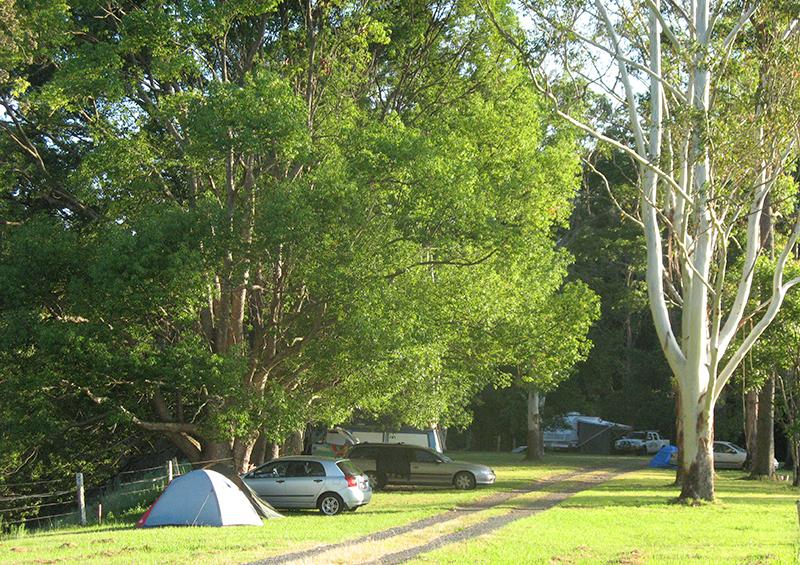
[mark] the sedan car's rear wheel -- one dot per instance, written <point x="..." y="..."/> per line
<point x="464" y="481"/>
<point x="330" y="504"/>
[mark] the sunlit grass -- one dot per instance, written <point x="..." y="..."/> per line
<point x="633" y="520"/>
<point x="119" y="542"/>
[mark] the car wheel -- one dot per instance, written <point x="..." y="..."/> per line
<point x="464" y="481"/>
<point x="330" y="504"/>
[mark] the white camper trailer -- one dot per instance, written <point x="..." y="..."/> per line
<point x="338" y="440"/>
<point x="565" y="435"/>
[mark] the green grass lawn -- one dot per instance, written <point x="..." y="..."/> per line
<point x="631" y="520"/>
<point x="119" y="542"/>
<point x="628" y="520"/>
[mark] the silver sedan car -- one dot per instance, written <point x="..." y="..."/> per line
<point x="332" y="485"/>
<point x="727" y="455"/>
<point x="400" y="464"/>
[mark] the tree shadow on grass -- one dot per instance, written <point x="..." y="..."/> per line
<point x="598" y="502"/>
<point x="636" y="501"/>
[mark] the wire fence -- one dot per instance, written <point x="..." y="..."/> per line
<point x="161" y="478"/>
<point x="34" y="483"/>
<point x="196" y="463"/>
<point x="34" y="506"/>
<point x="81" y="503"/>
<point x="27" y="496"/>
<point x="71" y="502"/>
<point x="159" y="467"/>
<point x="35" y="519"/>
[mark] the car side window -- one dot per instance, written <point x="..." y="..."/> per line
<point x="313" y="469"/>
<point x="305" y="469"/>
<point x="422" y="456"/>
<point x="296" y="469"/>
<point x="271" y="470"/>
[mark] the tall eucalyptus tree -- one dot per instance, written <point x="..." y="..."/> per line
<point x="712" y="126"/>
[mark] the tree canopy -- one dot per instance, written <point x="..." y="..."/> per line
<point x="225" y="220"/>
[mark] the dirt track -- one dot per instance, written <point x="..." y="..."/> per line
<point x="431" y="533"/>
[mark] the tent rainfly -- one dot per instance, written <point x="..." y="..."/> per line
<point x="201" y="498"/>
<point x="661" y="459"/>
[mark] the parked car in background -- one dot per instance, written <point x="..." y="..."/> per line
<point x="399" y="464"/>
<point x="641" y="442"/>
<point x="727" y="455"/>
<point x="332" y="485"/>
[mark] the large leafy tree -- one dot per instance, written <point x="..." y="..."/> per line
<point x="541" y="341"/>
<point x="224" y="220"/>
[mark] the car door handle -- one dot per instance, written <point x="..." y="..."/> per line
<point x="317" y="480"/>
<point x="280" y="481"/>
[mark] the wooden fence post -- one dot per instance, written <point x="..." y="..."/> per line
<point x="169" y="471"/>
<point x="81" y="501"/>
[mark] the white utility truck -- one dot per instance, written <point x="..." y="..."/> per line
<point x="641" y="442"/>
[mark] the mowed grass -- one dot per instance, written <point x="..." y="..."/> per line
<point x="120" y="542"/>
<point x="632" y="520"/>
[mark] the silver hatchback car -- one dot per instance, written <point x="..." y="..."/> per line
<point x="329" y="484"/>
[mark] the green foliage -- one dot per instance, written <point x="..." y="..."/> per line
<point x="624" y="378"/>
<point x="242" y="221"/>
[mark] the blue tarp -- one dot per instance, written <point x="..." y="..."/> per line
<point x="661" y="459"/>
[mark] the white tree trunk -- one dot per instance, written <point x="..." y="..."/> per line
<point x="535" y="447"/>
<point x="697" y="473"/>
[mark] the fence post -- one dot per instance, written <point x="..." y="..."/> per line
<point x="99" y="513"/>
<point x="176" y="469"/>
<point x="169" y="471"/>
<point x="81" y="501"/>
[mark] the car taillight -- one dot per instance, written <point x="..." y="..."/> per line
<point x="351" y="481"/>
